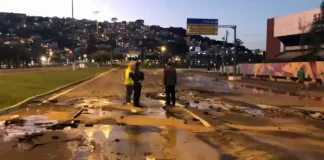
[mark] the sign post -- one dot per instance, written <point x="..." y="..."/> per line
<point x="197" y="26"/>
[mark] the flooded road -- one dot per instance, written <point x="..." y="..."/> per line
<point x="254" y="95"/>
<point x="288" y="124"/>
<point x="91" y="122"/>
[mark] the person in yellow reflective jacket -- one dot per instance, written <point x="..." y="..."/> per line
<point x="129" y="82"/>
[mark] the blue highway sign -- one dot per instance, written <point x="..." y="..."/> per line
<point x="196" y="26"/>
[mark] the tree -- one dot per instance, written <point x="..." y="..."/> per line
<point x="37" y="51"/>
<point x="239" y="42"/>
<point x="100" y="56"/>
<point x="92" y="44"/>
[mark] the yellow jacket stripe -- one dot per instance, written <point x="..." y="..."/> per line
<point x="128" y="80"/>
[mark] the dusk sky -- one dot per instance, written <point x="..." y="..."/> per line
<point x="249" y="15"/>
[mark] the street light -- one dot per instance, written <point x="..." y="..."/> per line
<point x="163" y="49"/>
<point x="73" y="56"/>
<point x="97" y="28"/>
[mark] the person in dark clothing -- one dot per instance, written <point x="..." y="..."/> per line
<point x="170" y="82"/>
<point x="137" y="76"/>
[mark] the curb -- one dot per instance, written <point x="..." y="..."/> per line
<point x="23" y="103"/>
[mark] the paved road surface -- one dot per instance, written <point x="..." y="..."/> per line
<point x="246" y="123"/>
<point x="149" y="134"/>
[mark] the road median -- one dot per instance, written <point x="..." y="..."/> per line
<point x="19" y="90"/>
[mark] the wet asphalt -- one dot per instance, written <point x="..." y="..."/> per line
<point x="91" y="122"/>
<point x="108" y="128"/>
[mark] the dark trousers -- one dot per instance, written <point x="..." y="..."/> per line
<point x="170" y="94"/>
<point x="137" y="95"/>
<point x="129" y="92"/>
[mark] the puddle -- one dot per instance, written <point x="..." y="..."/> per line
<point x="202" y="81"/>
<point x="272" y="91"/>
<point x="199" y="81"/>
<point x="252" y="111"/>
<point x="138" y="142"/>
<point x="32" y="124"/>
<point x="192" y="99"/>
<point x="90" y="102"/>
<point x="144" y="135"/>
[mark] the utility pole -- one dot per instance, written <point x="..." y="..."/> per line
<point x="235" y="50"/>
<point x="73" y="63"/>
<point x="224" y="49"/>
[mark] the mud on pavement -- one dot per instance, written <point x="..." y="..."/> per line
<point x="93" y="123"/>
<point x="249" y="130"/>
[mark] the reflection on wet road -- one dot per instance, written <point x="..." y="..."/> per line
<point x="201" y="81"/>
<point x="92" y="122"/>
<point x="111" y="141"/>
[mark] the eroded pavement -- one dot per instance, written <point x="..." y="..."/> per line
<point x="234" y="122"/>
<point x="91" y="122"/>
<point x="253" y="122"/>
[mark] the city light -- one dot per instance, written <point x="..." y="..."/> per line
<point x="43" y="58"/>
<point x="163" y="49"/>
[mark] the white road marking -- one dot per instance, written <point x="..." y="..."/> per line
<point x="62" y="93"/>
<point x="204" y="122"/>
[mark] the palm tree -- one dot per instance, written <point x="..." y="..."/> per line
<point x="314" y="36"/>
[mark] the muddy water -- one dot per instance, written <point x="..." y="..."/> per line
<point x="140" y="142"/>
<point x="195" y="100"/>
<point x="145" y="134"/>
<point x="221" y="86"/>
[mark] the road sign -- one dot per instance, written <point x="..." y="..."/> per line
<point x="197" y="26"/>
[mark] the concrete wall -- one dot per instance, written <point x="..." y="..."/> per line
<point x="314" y="70"/>
<point x="293" y="24"/>
<point x="273" y="43"/>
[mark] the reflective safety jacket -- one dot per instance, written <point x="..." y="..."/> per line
<point x="128" y="80"/>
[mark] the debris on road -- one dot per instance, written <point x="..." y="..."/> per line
<point x="53" y="101"/>
<point x="88" y="125"/>
<point x="14" y="121"/>
<point x="317" y="115"/>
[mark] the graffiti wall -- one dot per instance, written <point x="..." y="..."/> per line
<point x="314" y="70"/>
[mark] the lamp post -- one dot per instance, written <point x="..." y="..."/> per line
<point x="73" y="58"/>
<point x="97" y="28"/>
<point x="163" y="49"/>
